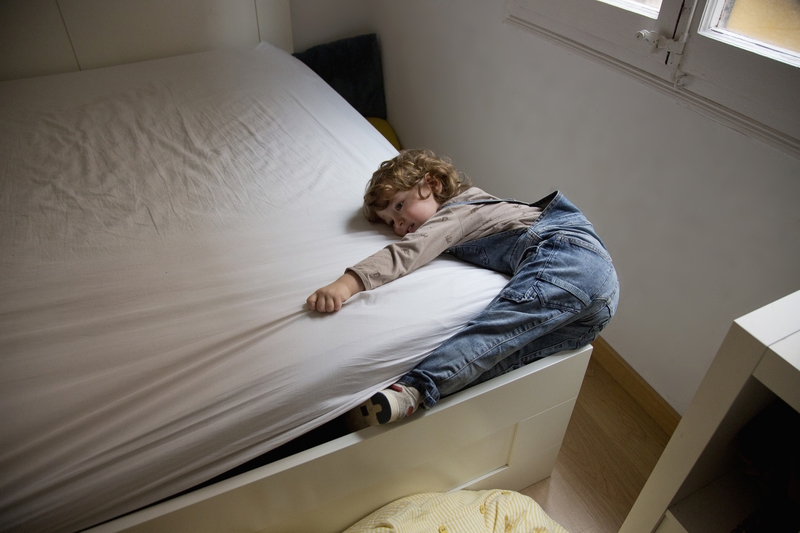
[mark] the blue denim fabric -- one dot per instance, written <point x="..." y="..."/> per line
<point x="562" y="293"/>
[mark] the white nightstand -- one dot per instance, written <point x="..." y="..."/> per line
<point x="696" y="487"/>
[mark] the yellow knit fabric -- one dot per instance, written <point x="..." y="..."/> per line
<point x="459" y="512"/>
<point x="386" y="129"/>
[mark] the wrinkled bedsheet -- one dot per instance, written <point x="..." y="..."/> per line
<point x="161" y="225"/>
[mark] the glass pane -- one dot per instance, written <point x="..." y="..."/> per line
<point x="774" y="22"/>
<point x="655" y="4"/>
<point x="645" y="7"/>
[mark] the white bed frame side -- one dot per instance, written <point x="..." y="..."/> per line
<point x="504" y="433"/>
<point x="40" y="37"/>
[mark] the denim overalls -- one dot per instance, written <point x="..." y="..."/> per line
<point x="562" y="293"/>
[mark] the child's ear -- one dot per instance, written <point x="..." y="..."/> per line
<point x="433" y="184"/>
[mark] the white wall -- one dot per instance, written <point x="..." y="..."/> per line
<point x="703" y="223"/>
<point x="40" y="37"/>
<point x="322" y="21"/>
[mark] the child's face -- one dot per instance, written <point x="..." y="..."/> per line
<point x="406" y="211"/>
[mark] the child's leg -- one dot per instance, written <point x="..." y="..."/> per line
<point x="559" y="300"/>
<point x="570" y="337"/>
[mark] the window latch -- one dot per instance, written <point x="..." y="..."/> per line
<point x="659" y="42"/>
<point x="674" y="47"/>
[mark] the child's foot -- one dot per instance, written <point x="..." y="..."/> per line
<point x="389" y="405"/>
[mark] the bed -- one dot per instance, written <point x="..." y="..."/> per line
<point x="162" y="223"/>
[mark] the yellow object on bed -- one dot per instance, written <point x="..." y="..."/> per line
<point x="386" y="130"/>
<point x="460" y="511"/>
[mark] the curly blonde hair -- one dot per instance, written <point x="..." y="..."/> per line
<point x="406" y="171"/>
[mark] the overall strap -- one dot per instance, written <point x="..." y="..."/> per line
<point x="492" y="201"/>
<point x="544" y="204"/>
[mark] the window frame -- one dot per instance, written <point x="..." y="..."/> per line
<point x="708" y="28"/>
<point x="705" y="72"/>
<point x="602" y="27"/>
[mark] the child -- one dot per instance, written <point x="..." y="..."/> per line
<point x="562" y="293"/>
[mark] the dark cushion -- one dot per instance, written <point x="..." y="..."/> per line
<point x="353" y="68"/>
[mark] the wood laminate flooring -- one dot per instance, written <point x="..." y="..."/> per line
<point x="609" y="450"/>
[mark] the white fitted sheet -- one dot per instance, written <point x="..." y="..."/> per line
<point x="161" y="225"/>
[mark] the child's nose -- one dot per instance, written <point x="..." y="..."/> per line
<point x="400" y="226"/>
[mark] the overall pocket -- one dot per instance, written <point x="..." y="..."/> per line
<point x="567" y="273"/>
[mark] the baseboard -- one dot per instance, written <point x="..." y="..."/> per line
<point x="642" y="393"/>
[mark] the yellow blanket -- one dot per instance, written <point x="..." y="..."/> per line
<point x="460" y="511"/>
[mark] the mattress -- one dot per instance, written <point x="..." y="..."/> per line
<point x="161" y="225"/>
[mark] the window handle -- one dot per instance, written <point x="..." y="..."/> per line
<point x="659" y="42"/>
<point x="675" y="49"/>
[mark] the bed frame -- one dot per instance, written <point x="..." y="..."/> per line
<point x="504" y="433"/>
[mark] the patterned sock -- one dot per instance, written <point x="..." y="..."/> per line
<point x="389" y="405"/>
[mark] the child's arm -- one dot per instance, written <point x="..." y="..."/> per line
<point x="331" y="297"/>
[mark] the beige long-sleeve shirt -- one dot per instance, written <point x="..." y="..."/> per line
<point x="449" y="226"/>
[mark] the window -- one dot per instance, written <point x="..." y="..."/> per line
<point x="767" y="27"/>
<point x="716" y="55"/>
<point x="648" y="8"/>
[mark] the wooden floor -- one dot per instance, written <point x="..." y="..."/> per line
<point x="609" y="450"/>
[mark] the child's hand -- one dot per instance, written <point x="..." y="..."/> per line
<point x="331" y="297"/>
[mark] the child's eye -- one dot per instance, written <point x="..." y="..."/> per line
<point x="398" y="206"/>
